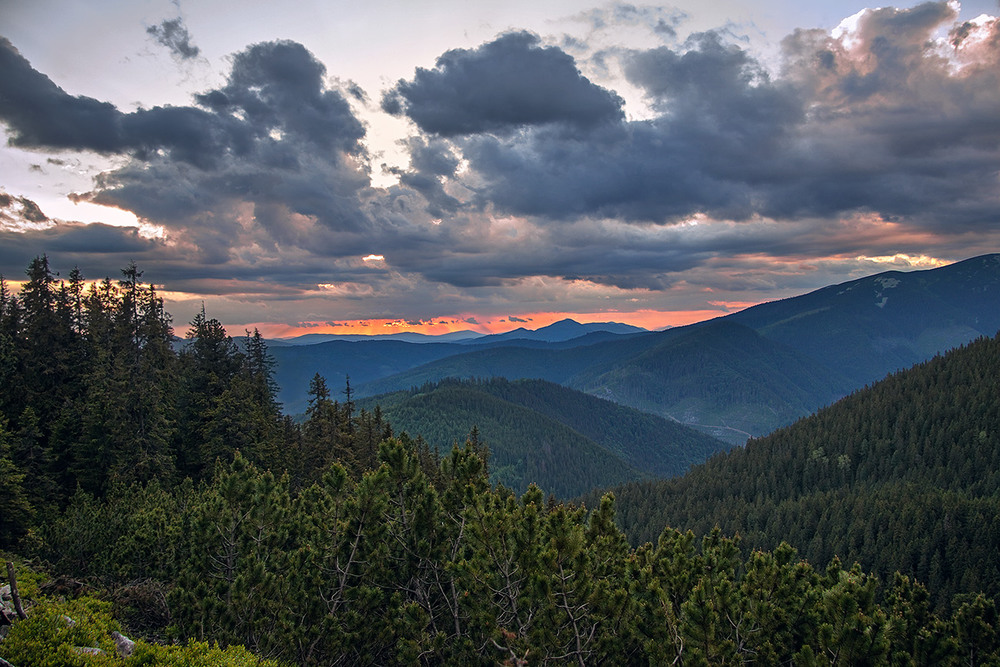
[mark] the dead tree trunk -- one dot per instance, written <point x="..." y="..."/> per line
<point x="13" y="592"/>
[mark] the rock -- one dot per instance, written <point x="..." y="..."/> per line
<point x="124" y="644"/>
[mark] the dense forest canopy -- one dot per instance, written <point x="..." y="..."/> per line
<point x="563" y="440"/>
<point x="174" y="500"/>
<point x="903" y="475"/>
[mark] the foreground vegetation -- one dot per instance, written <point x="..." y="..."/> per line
<point x="406" y="565"/>
<point x="171" y="499"/>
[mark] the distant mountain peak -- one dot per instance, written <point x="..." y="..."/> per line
<point x="563" y="330"/>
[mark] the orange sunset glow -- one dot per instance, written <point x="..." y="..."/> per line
<point x="647" y="319"/>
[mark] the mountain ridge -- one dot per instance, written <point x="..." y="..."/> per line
<point x="537" y="431"/>
<point x="563" y="330"/>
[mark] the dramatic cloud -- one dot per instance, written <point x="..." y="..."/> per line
<point x="20" y="209"/>
<point x="509" y="83"/>
<point x="431" y="162"/>
<point x="266" y="170"/>
<point x="883" y="119"/>
<point x="271" y="160"/>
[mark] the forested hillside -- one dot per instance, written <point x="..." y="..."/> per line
<point x="337" y="360"/>
<point x="721" y="376"/>
<point x="873" y="326"/>
<point x="565" y="441"/>
<point x="903" y="475"/>
<point x="367" y="361"/>
<point x="541" y="363"/>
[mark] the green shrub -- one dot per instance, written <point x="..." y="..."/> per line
<point x="195" y="654"/>
<point x="53" y="629"/>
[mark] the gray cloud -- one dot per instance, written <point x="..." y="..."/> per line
<point x="661" y="20"/>
<point x="508" y="83"/>
<point x="269" y="161"/>
<point x="98" y="250"/>
<point x="19" y="208"/>
<point x="280" y="86"/>
<point x="262" y="168"/>
<point x="273" y="87"/>
<point x="173" y="34"/>
<point x="432" y="161"/>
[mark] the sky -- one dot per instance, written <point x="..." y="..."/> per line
<point x="344" y="167"/>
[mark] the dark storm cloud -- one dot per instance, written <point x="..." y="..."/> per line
<point x="67" y="243"/>
<point x="281" y="173"/>
<point x="98" y="249"/>
<point x="15" y="209"/>
<point x="273" y="87"/>
<point x="172" y="34"/>
<point x="721" y="121"/>
<point x="269" y="164"/>
<point x="711" y="150"/>
<point x="897" y="129"/>
<point x="508" y="83"/>
<point x="30" y="211"/>
<point x="880" y="123"/>
<point x="100" y="238"/>
<point x="40" y="114"/>
<point x="575" y="252"/>
<point x="280" y="85"/>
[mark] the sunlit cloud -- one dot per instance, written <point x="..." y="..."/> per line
<point x="907" y="261"/>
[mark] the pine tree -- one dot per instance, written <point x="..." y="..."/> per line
<point x="320" y="432"/>
<point x="208" y="365"/>
<point x="12" y="398"/>
<point x="17" y="510"/>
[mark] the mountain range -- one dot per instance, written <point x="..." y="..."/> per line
<point x="562" y="330"/>
<point x="364" y="360"/>
<point x="738" y="376"/>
